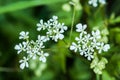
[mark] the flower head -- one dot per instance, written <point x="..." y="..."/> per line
<point x="24" y="63"/>
<point x="43" y="56"/>
<point x="24" y="35"/>
<point x="86" y="44"/>
<point x="54" y="29"/>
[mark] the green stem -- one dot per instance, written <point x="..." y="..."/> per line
<point x="3" y="69"/>
<point x="97" y="77"/>
<point x="73" y="17"/>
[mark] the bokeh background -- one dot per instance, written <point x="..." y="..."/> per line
<point x="23" y="15"/>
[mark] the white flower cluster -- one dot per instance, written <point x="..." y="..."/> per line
<point x="54" y="29"/>
<point x="94" y="3"/>
<point x="86" y="44"/>
<point x="34" y="49"/>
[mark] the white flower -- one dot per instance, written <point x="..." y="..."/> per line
<point x="75" y="47"/>
<point x="82" y="51"/>
<point x="58" y="35"/>
<point x="79" y="39"/>
<point x="41" y="26"/>
<point x="42" y="39"/>
<point x="102" y="1"/>
<point x="24" y="63"/>
<point x="24" y="35"/>
<point x="106" y="47"/>
<point x="55" y="17"/>
<point x="81" y="28"/>
<point x="43" y="56"/>
<point x="96" y="35"/>
<point x="89" y="56"/>
<point x="62" y="27"/>
<point x="95" y="44"/>
<point x="101" y="47"/>
<point x="93" y="2"/>
<point x="20" y="47"/>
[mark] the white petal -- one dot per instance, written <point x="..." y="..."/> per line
<point x="43" y="59"/>
<point x="61" y="36"/>
<point x="72" y="47"/>
<point x="106" y="47"/>
<point x="84" y="27"/>
<point x="41" y="21"/>
<point x="26" y="63"/>
<point x="22" y="33"/>
<point x="19" y="51"/>
<point x="38" y="24"/>
<point x="46" y="54"/>
<point x="39" y="28"/>
<point x="65" y="27"/>
<point x="77" y="39"/>
<point x="17" y="47"/>
<point x="22" y="65"/>
<point x="55" y="17"/>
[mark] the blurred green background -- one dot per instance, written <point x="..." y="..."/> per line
<point x="23" y="15"/>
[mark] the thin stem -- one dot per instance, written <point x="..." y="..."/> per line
<point x="65" y="42"/>
<point x="73" y="17"/>
<point x="3" y="69"/>
<point x="97" y="77"/>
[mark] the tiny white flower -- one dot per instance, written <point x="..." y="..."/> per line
<point x="75" y="47"/>
<point x="20" y="47"/>
<point x="55" y="18"/>
<point x="62" y="27"/>
<point x="106" y="47"/>
<point x="41" y="26"/>
<point x="43" y="56"/>
<point x="24" y="35"/>
<point x="81" y="28"/>
<point x="87" y="38"/>
<point x="100" y="48"/>
<point x="82" y="51"/>
<point x="24" y="63"/>
<point x="93" y="2"/>
<point x="95" y="44"/>
<point x="89" y="56"/>
<point x="96" y="35"/>
<point x="59" y="36"/>
<point x="42" y="38"/>
<point x="79" y="39"/>
<point x="102" y="1"/>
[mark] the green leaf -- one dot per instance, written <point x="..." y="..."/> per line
<point x="106" y="76"/>
<point x="26" y="4"/>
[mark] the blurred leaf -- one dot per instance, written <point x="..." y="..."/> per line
<point x="26" y="4"/>
<point x="114" y="20"/>
<point x="106" y="76"/>
<point x="79" y="71"/>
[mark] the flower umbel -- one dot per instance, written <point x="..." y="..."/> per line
<point x="34" y="49"/>
<point x="86" y="44"/>
<point x="54" y="29"/>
